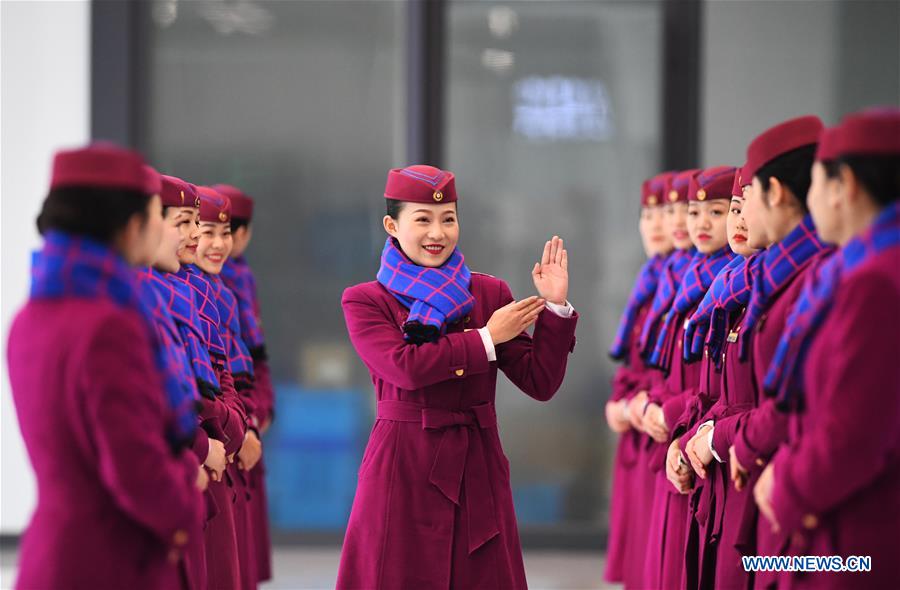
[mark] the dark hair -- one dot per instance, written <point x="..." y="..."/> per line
<point x="237" y="224"/>
<point x="792" y="169"/>
<point x="880" y="175"/>
<point x="394" y="207"/>
<point x="98" y="213"/>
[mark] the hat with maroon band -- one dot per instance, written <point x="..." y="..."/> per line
<point x="712" y="183"/>
<point x="826" y="149"/>
<point x="779" y="140"/>
<point x="178" y="193"/>
<point x="678" y="186"/>
<point x="874" y="132"/>
<point x="653" y="190"/>
<point x="102" y="165"/>
<point x="420" y="184"/>
<point x="214" y="206"/>
<point x="241" y="202"/>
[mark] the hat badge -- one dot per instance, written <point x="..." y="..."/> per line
<point x="223" y="217"/>
<point x="438" y="196"/>
<point x="651" y="200"/>
<point x="182" y="197"/>
<point x="197" y="203"/>
<point x="673" y="196"/>
<point x="701" y="195"/>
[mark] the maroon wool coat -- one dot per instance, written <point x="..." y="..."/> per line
<point x="633" y="484"/>
<point x="720" y="506"/>
<point x="113" y="500"/>
<point x="433" y="506"/>
<point x="764" y="428"/>
<point x="665" y="555"/>
<point x="837" y="484"/>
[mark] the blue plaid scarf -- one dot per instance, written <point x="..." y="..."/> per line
<point x="204" y="298"/>
<point x="239" y="360"/>
<point x="76" y="266"/>
<point x="697" y="279"/>
<point x="779" y="264"/>
<point x="238" y="277"/>
<point x="179" y="299"/>
<point x="729" y="291"/>
<point x="784" y="378"/>
<point x="643" y="290"/>
<point x="434" y="296"/>
<point x="669" y="279"/>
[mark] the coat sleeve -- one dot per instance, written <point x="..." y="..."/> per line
<point x="380" y="344"/>
<point x="854" y="438"/>
<point x="760" y="432"/>
<point x="537" y="364"/>
<point x="122" y="397"/>
<point x="234" y="424"/>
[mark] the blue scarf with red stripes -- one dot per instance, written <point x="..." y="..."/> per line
<point x="238" y="277"/>
<point x="435" y="297"/>
<point x="784" y="378"/>
<point x="696" y="281"/>
<point x="778" y="265"/>
<point x="77" y="266"/>
<point x="669" y="280"/>
<point x="239" y="360"/>
<point x="644" y="287"/>
<point x="729" y="291"/>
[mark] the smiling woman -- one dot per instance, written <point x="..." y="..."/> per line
<point x="433" y="335"/>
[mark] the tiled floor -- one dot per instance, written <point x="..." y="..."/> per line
<point x="299" y="568"/>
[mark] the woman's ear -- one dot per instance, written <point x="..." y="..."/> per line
<point x="390" y="225"/>
<point x="776" y="192"/>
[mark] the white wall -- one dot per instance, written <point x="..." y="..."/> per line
<point x="44" y="105"/>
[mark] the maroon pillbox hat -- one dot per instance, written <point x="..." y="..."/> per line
<point x="178" y="193"/>
<point x="421" y="184"/>
<point x="102" y="165"/>
<point x="678" y="186"/>
<point x="712" y="183"/>
<point x="241" y="202"/>
<point x="653" y="190"/>
<point x="737" y="189"/>
<point x="778" y="140"/>
<point x="214" y="206"/>
<point x="874" y="132"/>
<point x="152" y="180"/>
<point x="826" y="149"/>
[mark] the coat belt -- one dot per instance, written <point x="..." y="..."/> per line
<point x="459" y="459"/>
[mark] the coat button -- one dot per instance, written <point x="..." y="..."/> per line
<point x="460" y="372"/>
<point x="760" y="462"/>
<point x="468" y="319"/>
<point x="180" y="538"/>
<point x="810" y="521"/>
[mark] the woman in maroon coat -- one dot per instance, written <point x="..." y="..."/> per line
<point x="115" y="500"/>
<point x="718" y="509"/>
<point x="835" y="489"/>
<point x="433" y="506"/>
<point x="633" y="483"/>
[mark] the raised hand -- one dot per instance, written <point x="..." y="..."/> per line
<point x="514" y="318"/>
<point x="551" y="274"/>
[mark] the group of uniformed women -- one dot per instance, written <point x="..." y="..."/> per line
<point x="139" y="375"/>
<point x="758" y="400"/>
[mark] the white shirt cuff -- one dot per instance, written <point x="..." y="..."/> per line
<point x="709" y="439"/>
<point x="563" y="311"/>
<point x="488" y="344"/>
